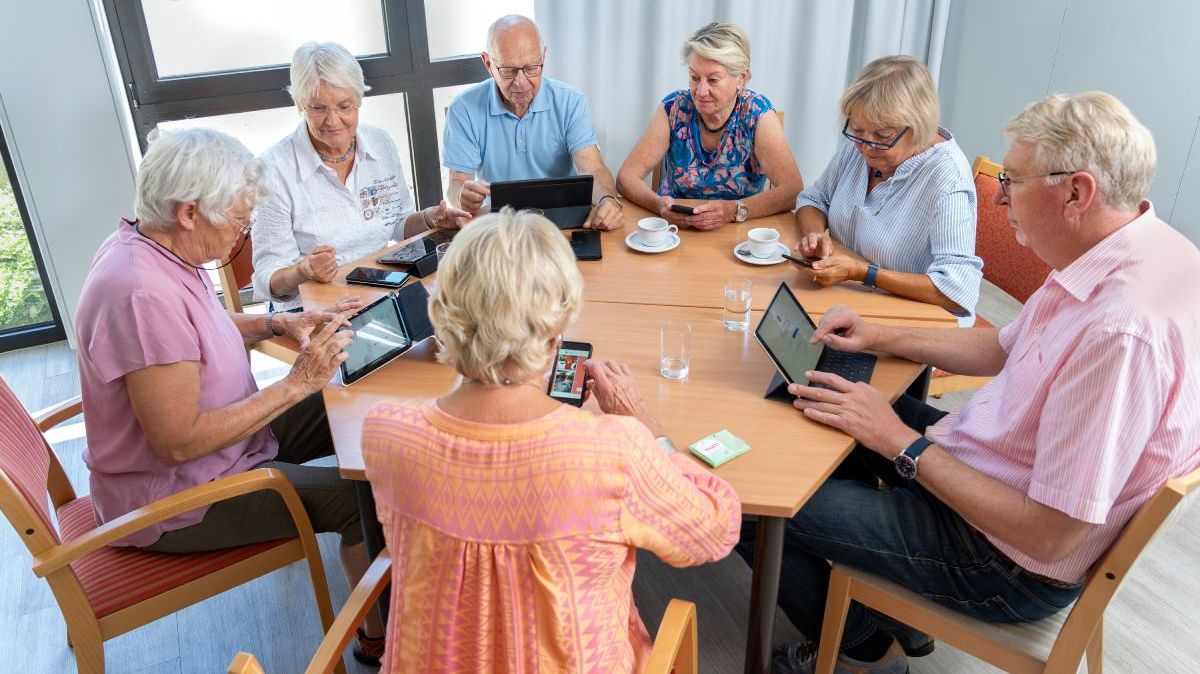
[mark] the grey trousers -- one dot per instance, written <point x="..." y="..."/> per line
<point x="303" y="435"/>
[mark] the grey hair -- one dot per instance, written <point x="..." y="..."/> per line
<point x="895" y="90"/>
<point x="330" y="62"/>
<point x="208" y="167"/>
<point x="723" y="42"/>
<point x="511" y="21"/>
<point x="1092" y="132"/>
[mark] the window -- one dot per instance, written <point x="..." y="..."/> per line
<point x="223" y="63"/>
<point x="28" y="315"/>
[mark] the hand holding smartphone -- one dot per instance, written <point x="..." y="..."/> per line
<point x="568" y="381"/>
<point x="800" y="261"/>
<point x="680" y="208"/>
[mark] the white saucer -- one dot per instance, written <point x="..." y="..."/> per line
<point x="742" y="252"/>
<point x="634" y="241"/>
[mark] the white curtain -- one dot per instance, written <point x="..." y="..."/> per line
<point x="625" y="56"/>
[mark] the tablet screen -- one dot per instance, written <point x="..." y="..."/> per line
<point x="379" y="336"/>
<point x="784" y="332"/>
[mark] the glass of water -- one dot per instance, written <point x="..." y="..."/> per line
<point x="737" y="303"/>
<point x="675" y="349"/>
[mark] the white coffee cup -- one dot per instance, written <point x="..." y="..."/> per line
<point x="764" y="242"/>
<point x="655" y="231"/>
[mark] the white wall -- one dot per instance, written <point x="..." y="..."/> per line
<point x="68" y="138"/>
<point x="999" y="56"/>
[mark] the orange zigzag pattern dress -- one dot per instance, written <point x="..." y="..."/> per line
<point x="514" y="544"/>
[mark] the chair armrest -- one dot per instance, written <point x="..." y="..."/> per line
<point x="188" y="500"/>
<point x="56" y="414"/>
<point x="377" y="577"/>
<point x="245" y="663"/>
<point x="675" y="645"/>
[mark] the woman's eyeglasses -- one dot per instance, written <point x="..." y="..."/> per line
<point x="873" y="144"/>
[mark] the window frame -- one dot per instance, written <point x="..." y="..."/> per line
<point x="406" y="69"/>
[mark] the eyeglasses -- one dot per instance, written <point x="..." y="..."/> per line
<point x="873" y="144"/>
<point x="510" y="73"/>
<point x="1005" y="180"/>
<point x="244" y="223"/>
<point x="343" y="110"/>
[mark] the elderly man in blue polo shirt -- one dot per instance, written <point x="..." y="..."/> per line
<point x="519" y="125"/>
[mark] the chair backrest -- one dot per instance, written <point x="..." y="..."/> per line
<point x="656" y="175"/>
<point x="237" y="276"/>
<point x="1007" y="264"/>
<point x="1107" y="574"/>
<point x="26" y="469"/>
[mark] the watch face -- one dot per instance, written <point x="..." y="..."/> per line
<point x="905" y="466"/>
<point x="741" y="213"/>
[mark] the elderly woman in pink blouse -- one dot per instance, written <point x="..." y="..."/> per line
<point x="169" y="401"/>
<point x="514" y="519"/>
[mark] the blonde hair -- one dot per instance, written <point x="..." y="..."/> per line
<point x="723" y="42"/>
<point x="507" y="287"/>
<point x="895" y="91"/>
<point x="329" y="62"/>
<point x="1093" y="132"/>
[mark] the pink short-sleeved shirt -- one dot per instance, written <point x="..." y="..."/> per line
<point x="1099" y="401"/>
<point x="140" y="307"/>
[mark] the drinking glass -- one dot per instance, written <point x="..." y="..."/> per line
<point x="675" y="349"/>
<point x="737" y="303"/>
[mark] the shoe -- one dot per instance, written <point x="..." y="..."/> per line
<point x="368" y="650"/>
<point x="916" y="644"/>
<point x="800" y="657"/>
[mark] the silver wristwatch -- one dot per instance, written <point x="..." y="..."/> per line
<point x="742" y="213"/>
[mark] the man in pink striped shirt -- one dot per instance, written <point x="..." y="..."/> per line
<point x="1000" y="510"/>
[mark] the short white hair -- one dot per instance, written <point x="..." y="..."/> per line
<point x="329" y="62"/>
<point x="723" y="42"/>
<point x="511" y="21"/>
<point x="208" y="167"/>
<point x="507" y="287"/>
<point x="1092" y="132"/>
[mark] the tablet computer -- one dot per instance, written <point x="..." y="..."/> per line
<point x="386" y="328"/>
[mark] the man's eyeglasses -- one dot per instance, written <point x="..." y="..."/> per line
<point x="343" y="110"/>
<point x="873" y="144"/>
<point x="243" y="223"/>
<point x="510" y="73"/>
<point x="1005" y="180"/>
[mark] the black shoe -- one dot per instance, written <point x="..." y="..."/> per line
<point x="916" y="644"/>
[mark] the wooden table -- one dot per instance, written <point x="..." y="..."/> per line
<point x="627" y="295"/>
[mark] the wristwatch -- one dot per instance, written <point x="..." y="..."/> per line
<point x="666" y="445"/>
<point x="872" y="272"/>
<point x="906" y="461"/>
<point x="742" y="213"/>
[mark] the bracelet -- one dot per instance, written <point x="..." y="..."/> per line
<point x="608" y="196"/>
<point x="872" y="271"/>
<point x="271" y="325"/>
<point x="429" y="224"/>
<point x="667" y="446"/>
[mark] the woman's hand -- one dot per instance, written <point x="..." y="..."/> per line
<point x="320" y="264"/>
<point x="837" y="268"/>
<point x="446" y="216"/>
<point x="708" y="215"/>
<point x="323" y="352"/>
<point x="815" y="245"/>
<point x="300" y="325"/>
<point x="616" y="392"/>
<point x="665" y="212"/>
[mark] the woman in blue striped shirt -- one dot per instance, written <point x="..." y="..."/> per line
<point x="895" y="208"/>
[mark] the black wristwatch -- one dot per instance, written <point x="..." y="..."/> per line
<point x="906" y="461"/>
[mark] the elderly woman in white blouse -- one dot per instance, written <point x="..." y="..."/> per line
<point x="895" y="208"/>
<point x="335" y="188"/>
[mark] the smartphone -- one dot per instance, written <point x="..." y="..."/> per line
<point x="800" y="261"/>
<point x="383" y="278"/>
<point x="680" y="208"/>
<point x="568" y="381"/>
<point x="585" y="243"/>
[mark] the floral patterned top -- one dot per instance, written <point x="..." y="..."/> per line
<point x="728" y="171"/>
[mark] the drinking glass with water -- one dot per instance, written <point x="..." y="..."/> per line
<point x="737" y="303"/>
<point x="675" y="349"/>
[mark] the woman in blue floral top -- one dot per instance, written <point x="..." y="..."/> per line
<point x="717" y="141"/>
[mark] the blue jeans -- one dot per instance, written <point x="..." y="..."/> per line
<point x="904" y="534"/>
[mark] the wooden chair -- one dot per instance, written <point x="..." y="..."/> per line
<point x="1054" y="645"/>
<point x="675" y="648"/>
<point x="1011" y="267"/>
<point x="234" y="277"/>
<point x="656" y="175"/>
<point x="105" y="591"/>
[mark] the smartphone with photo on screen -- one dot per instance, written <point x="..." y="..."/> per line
<point x="568" y="381"/>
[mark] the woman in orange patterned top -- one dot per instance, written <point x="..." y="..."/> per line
<point x="513" y="520"/>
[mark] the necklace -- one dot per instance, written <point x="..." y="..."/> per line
<point x="719" y="129"/>
<point x="137" y="226"/>
<point x="338" y="160"/>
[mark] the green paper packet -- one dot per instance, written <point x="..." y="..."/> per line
<point x="719" y="448"/>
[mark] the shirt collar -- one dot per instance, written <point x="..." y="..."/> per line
<point x="541" y="101"/>
<point x="308" y="162"/>
<point x="1086" y="272"/>
<point x="912" y="163"/>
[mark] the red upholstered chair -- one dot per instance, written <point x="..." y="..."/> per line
<point x="238" y="275"/>
<point x="1008" y="265"/>
<point x="105" y="591"/>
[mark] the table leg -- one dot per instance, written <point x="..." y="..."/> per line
<point x="919" y="389"/>
<point x="764" y="592"/>
<point x="372" y="534"/>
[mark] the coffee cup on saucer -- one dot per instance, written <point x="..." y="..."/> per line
<point x="764" y="242"/>
<point x="655" y="232"/>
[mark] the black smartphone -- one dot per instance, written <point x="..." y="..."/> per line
<point x="568" y="381"/>
<point x="383" y="278"/>
<point x="680" y="208"/>
<point x="800" y="261"/>
<point x="585" y="243"/>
